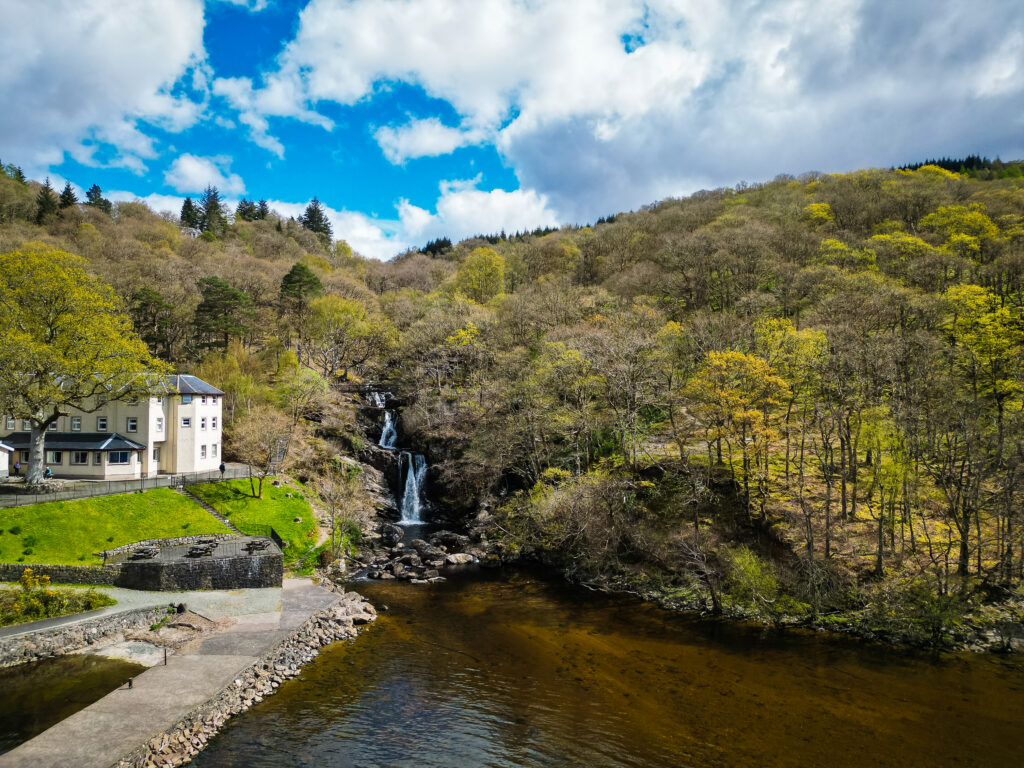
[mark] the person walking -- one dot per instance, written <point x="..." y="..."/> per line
<point x="17" y="469"/>
<point x="223" y="468"/>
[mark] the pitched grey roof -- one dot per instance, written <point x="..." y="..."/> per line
<point x="184" y="384"/>
<point x="77" y="441"/>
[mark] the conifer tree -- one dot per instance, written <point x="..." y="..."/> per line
<point x="212" y="212"/>
<point x="46" y="203"/>
<point x="190" y="215"/>
<point x="68" y="197"/>
<point x="298" y="287"/>
<point x="246" y="210"/>
<point x="262" y="209"/>
<point x="315" y="220"/>
<point x="94" y="197"/>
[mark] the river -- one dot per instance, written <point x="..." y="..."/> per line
<point x="513" y="669"/>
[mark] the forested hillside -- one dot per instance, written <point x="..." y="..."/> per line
<point x="800" y="398"/>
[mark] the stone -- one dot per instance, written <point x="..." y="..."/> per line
<point x="459" y="558"/>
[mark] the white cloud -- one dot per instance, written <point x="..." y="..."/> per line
<point x="158" y="203"/>
<point x="189" y="173"/>
<point x="252" y="5"/>
<point x="423" y="138"/>
<point x="464" y="211"/>
<point x="81" y="77"/>
<point x="608" y="104"/>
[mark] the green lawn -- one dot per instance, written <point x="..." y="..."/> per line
<point x="69" y="532"/>
<point x="234" y="500"/>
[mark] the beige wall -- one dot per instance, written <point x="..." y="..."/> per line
<point x="158" y="425"/>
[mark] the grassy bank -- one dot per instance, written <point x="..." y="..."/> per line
<point x="69" y="532"/>
<point x="285" y="509"/>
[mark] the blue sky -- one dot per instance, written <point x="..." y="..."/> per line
<point x="415" y="119"/>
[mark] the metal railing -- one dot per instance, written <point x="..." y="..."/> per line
<point x="13" y="495"/>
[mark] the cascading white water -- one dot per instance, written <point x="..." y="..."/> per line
<point x="389" y="434"/>
<point x="415" y="474"/>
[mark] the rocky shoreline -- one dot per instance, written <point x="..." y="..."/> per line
<point x="342" y="620"/>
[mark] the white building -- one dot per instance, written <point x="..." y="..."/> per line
<point x="179" y="432"/>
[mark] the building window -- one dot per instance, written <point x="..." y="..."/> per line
<point x="54" y="457"/>
<point x="79" y="457"/>
<point x="213" y="451"/>
<point x="213" y="399"/>
<point x="159" y="423"/>
<point x="24" y="455"/>
<point x="101" y="423"/>
<point x="52" y="426"/>
<point x="76" y="423"/>
<point x="156" y="453"/>
<point x="186" y="399"/>
<point x="132" y="424"/>
<point x="202" y="423"/>
<point x="97" y="458"/>
<point x="202" y="451"/>
<point x="213" y="422"/>
<point x="186" y="422"/>
<point x="119" y="457"/>
<point x="203" y="399"/>
<point x="11" y="422"/>
<point x="26" y="425"/>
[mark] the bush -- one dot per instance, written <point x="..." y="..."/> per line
<point x="35" y="599"/>
<point x="913" y="612"/>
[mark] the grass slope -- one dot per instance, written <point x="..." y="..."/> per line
<point x="234" y="500"/>
<point x="69" y="532"/>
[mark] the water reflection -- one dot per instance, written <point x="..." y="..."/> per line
<point x="37" y="696"/>
<point x="511" y="670"/>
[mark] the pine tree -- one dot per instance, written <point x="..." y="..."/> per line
<point x="224" y="312"/>
<point x="315" y="220"/>
<point x="190" y="216"/>
<point x="68" y="197"/>
<point x="262" y="210"/>
<point x="298" y="287"/>
<point x="212" y="212"/>
<point x="94" y="197"/>
<point x="47" y="203"/>
<point x="246" y="210"/>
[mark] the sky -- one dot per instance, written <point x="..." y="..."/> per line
<point x="416" y="119"/>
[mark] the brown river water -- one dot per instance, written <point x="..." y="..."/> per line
<point x="513" y="669"/>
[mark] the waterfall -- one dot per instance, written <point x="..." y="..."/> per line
<point x="388" y="435"/>
<point x="415" y="474"/>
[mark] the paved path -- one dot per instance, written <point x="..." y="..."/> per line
<point x="212" y="604"/>
<point x="103" y="732"/>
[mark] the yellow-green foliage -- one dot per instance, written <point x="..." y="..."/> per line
<point x="35" y="599"/>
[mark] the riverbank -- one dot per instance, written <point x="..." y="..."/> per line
<point x="171" y="710"/>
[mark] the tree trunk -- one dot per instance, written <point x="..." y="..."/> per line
<point x="36" y="455"/>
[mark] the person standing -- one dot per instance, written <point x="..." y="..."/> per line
<point x="17" y="469"/>
<point x="223" y="468"/>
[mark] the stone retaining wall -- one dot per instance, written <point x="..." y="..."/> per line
<point x="190" y="734"/>
<point x="64" y="574"/>
<point x="249" y="571"/>
<point x="192" y="539"/>
<point x="60" y="641"/>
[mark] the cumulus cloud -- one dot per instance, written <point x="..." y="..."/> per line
<point x="84" y="83"/>
<point x="423" y="138"/>
<point x="609" y="104"/>
<point x="189" y="173"/>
